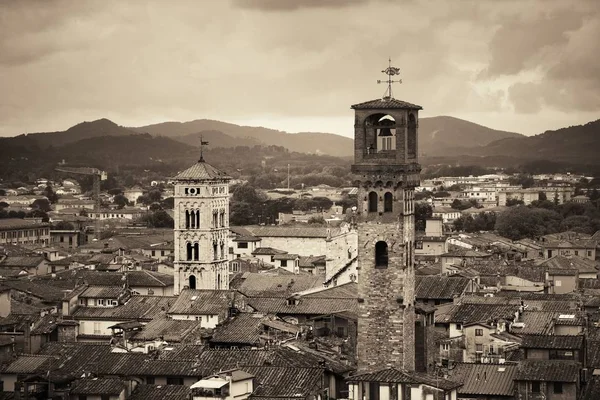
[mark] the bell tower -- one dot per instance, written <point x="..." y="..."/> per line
<point x="386" y="171"/>
<point x="201" y="228"/>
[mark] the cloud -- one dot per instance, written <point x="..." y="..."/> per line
<point x="285" y="5"/>
<point x="64" y="61"/>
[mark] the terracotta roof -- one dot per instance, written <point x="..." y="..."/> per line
<point x="485" y="379"/>
<point x="97" y="386"/>
<point x="392" y="375"/>
<point x="571" y="263"/>
<point x="278" y="382"/>
<point x="18" y="223"/>
<point x="143" y="308"/>
<point x="28" y="364"/>
<point x="344" y="291"/>
<point x="593" y="353"/>
<point x="440" y="287"/>
<point x="202" y="302"/>
<point x="247" y="238"/>
<point x="591" y="391"/>
<point x="562" y="342"/>
<point x="170" y="330"/>
<point x="244" y="328"/>
<point x="160" y="392"/>
<point x="265" y="285"/>
<point x="292" y="231"/>
<point x="386" y="103"/>
<point x="267" y="251"/>
<point x="102" y="292"/>
<point x="305" y="306"/>
<point x="467" y="313"/>
<point x="548" y="371"/>
<point x="21" y="261"/>
<point x="201" y="171"/>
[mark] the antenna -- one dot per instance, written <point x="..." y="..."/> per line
<point x="202" y="143"/>
<point x="390" y="71"/>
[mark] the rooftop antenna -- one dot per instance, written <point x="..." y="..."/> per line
<point x="202" y="143"/>
<point x="390" y="71"/>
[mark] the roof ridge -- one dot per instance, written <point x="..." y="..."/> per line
<point x="155" y="278"/>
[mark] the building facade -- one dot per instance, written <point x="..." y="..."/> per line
<point x="201" y="228"/>
<point x="386" y="172"/>
<point x="24" y="232"/>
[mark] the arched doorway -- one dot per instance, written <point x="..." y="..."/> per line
<point x="192" y="282"/>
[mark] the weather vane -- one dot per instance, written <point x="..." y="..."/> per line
<point x="390" y="71"/>
<point x="202" y="143"/>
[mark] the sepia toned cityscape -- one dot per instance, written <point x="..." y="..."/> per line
<point x="300" y="200"/>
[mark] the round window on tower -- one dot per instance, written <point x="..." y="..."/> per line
<point x="192" y="191"/>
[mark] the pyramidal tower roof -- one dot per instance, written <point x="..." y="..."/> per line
<point x="201" y="171"/>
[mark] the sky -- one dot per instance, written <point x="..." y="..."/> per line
<point x="296" y="65"/>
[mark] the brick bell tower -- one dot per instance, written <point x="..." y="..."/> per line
<point x="386" y="171"/>
<point x="201" y="227"/>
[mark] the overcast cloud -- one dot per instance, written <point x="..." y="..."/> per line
<point x="296" y="65"/>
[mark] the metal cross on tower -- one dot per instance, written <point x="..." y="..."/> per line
<point x="390" y="71"/>
<point x="202" y="143"/>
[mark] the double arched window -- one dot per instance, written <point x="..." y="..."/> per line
<point x="193" y="251"/>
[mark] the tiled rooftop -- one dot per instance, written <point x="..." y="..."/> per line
<point x="484" y="379"/>
<point x="202" y="302"/>
<point x="201" y="171"/>
<point x="266" y="285"/>
<point x="548" y="371"/>
<point x="440" y="287"/>
<point x="143" y="308"/>
<point x="386" y="103"/>
<point x="562" y="342"/>
<point x="97" y="386"/>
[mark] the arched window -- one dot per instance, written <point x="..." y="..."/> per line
<point x="192" y="281"/>
<point x="197" y="215"/>
<point x="189" y="251"/>
<point x="219" y="281"/>
<point x="372" y="202"/>
<point x="187" y="219"/>
<point x="411" y="139"/>
<point x="381" y="254"/>
<point x="196" y="252"/>
<point x="215" y="251"/>
<point x="388" y="201"/>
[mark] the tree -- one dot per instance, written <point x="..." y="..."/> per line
<point x="41" y="204"/>
<point x="4" y="204"/>
<point x="523" y="180"/>
<point x="317" y="221"/>
<point x="49" y="193"/>
<point x="63" y="226"/>
<point x="527" y="222"/>
<point x="121" y="201"/>
<point x="83" y="213"/>
<point x="158" y="219"/>
<point x="248" y="194"/>
<point x="542" y="196"/>
<point x="423" y="211"/>
<point x="514" y="202"/>
<point x="460" y="205"/>
<point x="155" y="196"/>
<point x="168" y="203"/>
<point x="442" y="194"/>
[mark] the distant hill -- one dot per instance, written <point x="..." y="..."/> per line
<point x="84" y="130"/>
<point x="224" y="133"/>
<point x="437" y="135"/>
<point x="577" y="144"/>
